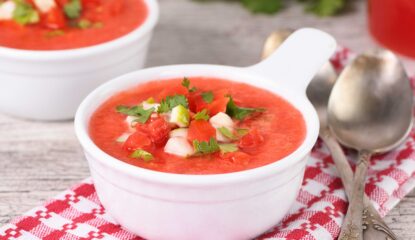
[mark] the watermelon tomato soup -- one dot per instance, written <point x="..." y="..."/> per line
<point x="67" y="24"/>
<point x="197" y="125"/>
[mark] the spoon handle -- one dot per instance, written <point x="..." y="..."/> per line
<point x="374" y="226"/>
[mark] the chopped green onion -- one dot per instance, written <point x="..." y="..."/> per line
<point x="227" y="133"/>
<point x="141" y="154"/>
<point x="24" y="13"/>
<point x="228" y="147"/>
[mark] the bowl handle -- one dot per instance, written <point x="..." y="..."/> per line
<point x="298" y="59"/>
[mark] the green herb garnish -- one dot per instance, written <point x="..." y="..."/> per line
<point x="186" y="84"/>
<point x="207" y="96"/>
<point x="136" y="111"/>
<point x="240" y="113"/>
<point x="203" y="147"/>
<point x="170" y="102"/>
<point x="228" y="147"/>
<point x="227" y="133"/>
<point x="141" y="154"/>
<point x="73" y="9"/>
<point x="24" y="13"/>
<point x="202" y="115"/>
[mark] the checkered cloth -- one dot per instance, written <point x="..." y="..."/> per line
<point x="316" y="214"/>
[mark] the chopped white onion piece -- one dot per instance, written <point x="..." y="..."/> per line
<point x="45" y="5"/>
<point x="6" y="10"/>
<point x="222" y="120"/>
<point x="123" y="138"/>
<point x="179" y="146"/>
<point x="179" y="132"/>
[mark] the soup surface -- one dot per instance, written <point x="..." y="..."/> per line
<point x="197" y="125"/>
<point x="67" y="24"/>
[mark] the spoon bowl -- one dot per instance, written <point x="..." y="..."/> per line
<point x="370" y="107"/>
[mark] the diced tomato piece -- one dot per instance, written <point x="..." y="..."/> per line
<point x="252" y="140"/>
<point x="138" y="140"/>
<point x="54" y="19"/>
<point x="157" y="130"/>
<point x="220" y="100"/>
<point x="238" y="158"/>
<point x="217" y="106"/>
<point x="201" y="130"/>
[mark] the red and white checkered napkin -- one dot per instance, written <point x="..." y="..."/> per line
<point x="316" y="214"/>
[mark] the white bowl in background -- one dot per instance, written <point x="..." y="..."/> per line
<point x="50" y="85"/>
<point x="239" y="205"/>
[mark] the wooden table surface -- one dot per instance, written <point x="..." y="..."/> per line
<point x="38" y="159"/>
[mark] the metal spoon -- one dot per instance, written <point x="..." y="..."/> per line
<point x="370" y="110"/>
<point x="319" y="92"/>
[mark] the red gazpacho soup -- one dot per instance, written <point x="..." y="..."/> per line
<point x="67" y="24"/>
<point x="197" y="125"/>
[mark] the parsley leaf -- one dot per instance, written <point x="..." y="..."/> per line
<point x="136" y="111"/>
<point x="202" y="115"/>
<point x="228" y="147"/>
<point x="139" y="153"/>
<point x="186" y="84"/>
<point x="263" y="6"/>
<point x="325" y="8"/>
<point x="238" y="112"/>
<point x="170" y="102"/>
<point x="202" y="147"/>
<point x="73" y="9"/>
<point x="24" y="13"/>
<point x="207" y="96"/>
<point x="227" y="133"/>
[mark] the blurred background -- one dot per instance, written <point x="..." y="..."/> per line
<point x="228" y="32"/>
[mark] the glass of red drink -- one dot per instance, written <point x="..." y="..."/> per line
<point x="392" y="23"/>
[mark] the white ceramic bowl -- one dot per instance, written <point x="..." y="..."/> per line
<point x="50" y="85"/>
<point x="238" y="205"/>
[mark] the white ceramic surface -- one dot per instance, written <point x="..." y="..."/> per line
<point x="238" y="205"/>
<point x="50" y="85"/>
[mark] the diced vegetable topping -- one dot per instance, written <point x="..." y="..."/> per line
<point x="24" y="13"/>
<point x="186" y="84"/>
<point x="240" y="113"/>
<point x="202" y="115"/>
<point x="52" y="14"/>
<point x="227" y="133"/>
<point x="170" y="102"/>
<point x="201" y="130"/>
<point x="7" y="9"/>
<point x="136" y="111"/>
<point x="179" y="146"/>
<point x="141" y="154"/>
<point x="180" y="116"/>
<point x="206" y="147"/>
<point x="207" y="96"/>
<point x="228" y="147"/>
<point x="185" y="133"/>
<point x="73" y="9"/>
<point x="179" y="132"/>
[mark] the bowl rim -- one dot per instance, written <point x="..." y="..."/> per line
<point x="139" y="32"/>
<point x="190" y="180"/>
